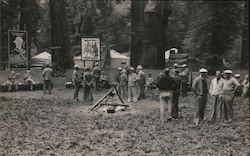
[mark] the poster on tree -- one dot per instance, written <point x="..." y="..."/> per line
<point x="91" y="49"/>
<point x="18" y="50"/>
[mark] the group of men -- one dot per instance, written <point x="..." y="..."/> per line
<point x="222" y="89"/>
<point x="133" y="83"/>
<point x="16" y="79"/>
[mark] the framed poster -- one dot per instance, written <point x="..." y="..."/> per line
<point x="18" y="49"/>
<point x="91" y="49"/>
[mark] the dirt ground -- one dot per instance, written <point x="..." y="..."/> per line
<point x="35" y="124"/>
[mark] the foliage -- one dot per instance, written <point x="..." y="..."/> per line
<point x="212" y="30"/>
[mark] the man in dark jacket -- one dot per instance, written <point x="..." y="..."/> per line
<point x="166" y="85"/>
<point x="200" y="89"/>
<point x="176" y="93"/>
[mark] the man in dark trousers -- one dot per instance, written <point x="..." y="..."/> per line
<point x="47" y="75"/>
<point x="176" y="94"/>
<point x="200" y="89"/>
<point x="87" y="86"/>
<point x="166" y="85"/>
<point x="76" y="78"/>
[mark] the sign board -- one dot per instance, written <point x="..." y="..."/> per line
<point x="18" y="49"/>
<point x="91" y="47"/>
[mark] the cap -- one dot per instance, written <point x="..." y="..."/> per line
<point x="237" y="75"/>
<point x="175" y="65"/>
<point x="166" y="70"/>
<point x="119" y="68"/>
<point x="96" y="63"/>
<point x="228" y="72"/>
<point x="76" y="66"/>
<point x="203" y="70"/>
<point x="124" y="71"/>
<point x="139" y="67"/>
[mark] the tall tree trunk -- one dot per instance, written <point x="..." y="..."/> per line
<point x="149" y="30"/>
<point x="245" y="38"/>
<point x="59" y="34"/>
<point x="26" y="23"/>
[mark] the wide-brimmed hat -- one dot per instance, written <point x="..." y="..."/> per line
<point x="119" y="68"/>
<point x="203" y="70"/>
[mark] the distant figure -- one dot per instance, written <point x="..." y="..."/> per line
<point x="200" y="89"/>
<point x="132" y="90"/>
<point x="104" y="80"/>
<point x="215" y="93"/>
<point x="237" y="77"/>
<point x="184" y="80"/>
<point x="76" y="79"/>
<point x="47" y="75"/>
<point x="238" y="91"/>
<point x="176" y="94"/>
<point x="28" y="79"/>
<point x="123" y="84"/>
<point x="150" y="86"/>
<point x="12" y="81"/>
<point x="228" y="87"/>
<point x="175" y="68"/>
<point x="141" y="82"/>
<point x="245" y="84"/>
<point x="87" y="85"/>
<point x="166" y="85"/>
<point x="117" y="79"/>
<point x="96" y="75"/>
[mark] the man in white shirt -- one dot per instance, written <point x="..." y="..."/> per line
<point x="214" y="92"/>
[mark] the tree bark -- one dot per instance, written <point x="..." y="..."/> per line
<point x="59" y="34"/>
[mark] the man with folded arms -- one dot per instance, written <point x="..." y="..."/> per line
<point x="200" y="89"/>
<point x="228" y="87"/>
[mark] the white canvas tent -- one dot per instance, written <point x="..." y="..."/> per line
<point x="117" y="58"/>
<point x="41" y="59"/>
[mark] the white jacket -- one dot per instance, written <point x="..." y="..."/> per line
<point x="214" y="89"/>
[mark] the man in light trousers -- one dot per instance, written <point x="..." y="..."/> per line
<point x="228" y="87"/>
<point x="166" y="85"/>
<point x="215" y="93"/>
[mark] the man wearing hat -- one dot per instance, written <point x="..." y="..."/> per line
<point x="184" y="79"/>
<point x="200" y="90"/>
<point x="96" y="75"/>
<point x="166" y="85"/>
<point x="87" y="85"/>
<point x="228" y="87"/>
<point x="76" y="79"/>
<point x="117" y="79"/>
<point x="215" y="92"/>
<point x="123" y="83"/>
<point x="47" y="76"/>
<point x="141" y="81"/>
<point x="132" y="90"/>
<point x="175" y="68"/>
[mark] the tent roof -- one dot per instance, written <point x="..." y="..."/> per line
<point x="43" y="55"/>
<point x="115" y="54"/>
